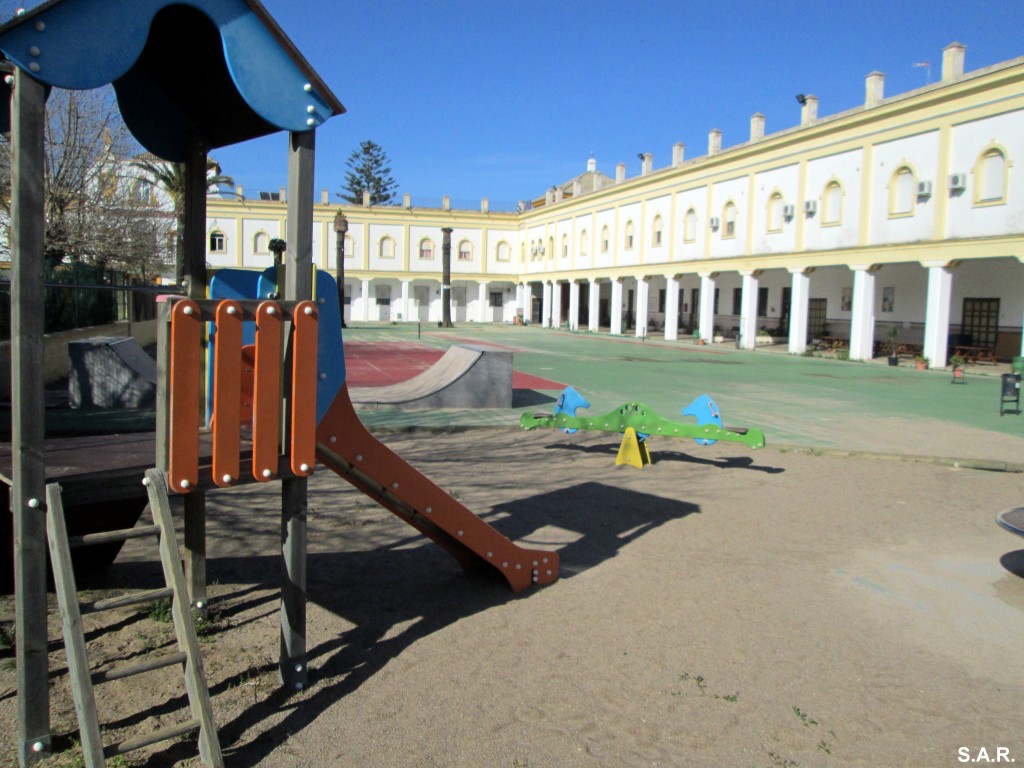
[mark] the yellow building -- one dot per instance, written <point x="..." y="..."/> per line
<point x="906" y="212"/>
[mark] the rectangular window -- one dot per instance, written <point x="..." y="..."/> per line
<point x="737" y="301"/>
<point x="762" y="302"/>
<point x="495" y="301"/>
<point x="217" y="242"/>
<point x="661" y="300"/>
<point x="383" y="294"/>
<point x="465" y="252"/>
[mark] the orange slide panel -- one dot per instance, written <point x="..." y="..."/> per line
<point x="346" y="447"/>
<point x="183" y="427"/>
<point x="266" y="416"/>
<point x="303" y="400"/>
<point x="227" y="394"/>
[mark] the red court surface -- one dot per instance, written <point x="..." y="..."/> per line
<point x="378" y="364"/>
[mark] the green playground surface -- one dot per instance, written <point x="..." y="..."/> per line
<point x="799" y="401"/>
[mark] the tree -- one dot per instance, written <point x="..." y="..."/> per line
<point x="96" y="211"/>
<point x="171" y="178"/>
<point x="369" y="171"/>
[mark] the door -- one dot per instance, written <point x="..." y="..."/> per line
<point x="816" y="318"/>
<point x="694" y="309"/>
<point x="787" y="299"/>
<point x="980" y="322"/>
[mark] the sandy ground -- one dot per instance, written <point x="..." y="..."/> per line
<point x="719" y="607"/>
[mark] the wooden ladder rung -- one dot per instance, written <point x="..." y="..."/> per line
<point x="130" y="670"/>
<point x="106" y="537"/>
<point x="138" y="742"/>
<point x="123" y="601"/>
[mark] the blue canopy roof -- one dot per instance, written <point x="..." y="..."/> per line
<point x="214" y="71"/>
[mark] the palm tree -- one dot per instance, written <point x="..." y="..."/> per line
<point x="172" y="179"/>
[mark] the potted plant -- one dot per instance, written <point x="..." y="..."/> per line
<point x="921" y="362"/>
<point x="957" y="364"/>
<point x="893" y="333"/>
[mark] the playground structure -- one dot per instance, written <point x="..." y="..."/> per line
<point x="191" y="77"/>
<point x="636" y="422"/>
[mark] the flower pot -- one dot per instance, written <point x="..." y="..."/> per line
<point x="893" y="360"/>
<point x="921" y="365"/>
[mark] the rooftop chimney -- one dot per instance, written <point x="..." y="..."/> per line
<point x="952" y="61"/>
<point x="809" y="110"/>
<point x="282" y="194"/>
<point x="324" y="197"/>
<point x="366" y="198"/>
<point x="757" y="126"/>
<point x="677" y="153"/>
<point x="874" y="89"/>
<point x="714" y="141"/>
<point x="620" y="173"/>
<point x="591" y="165"/>
<point x="647" y="164"/>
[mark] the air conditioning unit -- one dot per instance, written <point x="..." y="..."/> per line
<point x="810" y="207"/>
<point x="714" y="222"/>
<point x="924" y="189"/>
<point x="788" y="211"/>
<point x="957" y="182"/>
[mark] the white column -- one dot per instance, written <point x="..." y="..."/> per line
<point x="405" y="306"/>
<point x="482" y="300"/>
<point x="364" y="288"/>
<point x="616" y="329"/>
<point x="545" y="311"/>
<point x="594" y="306"/>
<point x="671" y="308"/>
<point x="556" y="304"/>
<point x="643" y="291"/>
<point x="748" y="312"/>
<point x="862" y="321"/>
<point x="936" y="318"/>
<point x="799" y="305"/>
<point x="706" y="323"/>
<point x="574" y="306"/>
<point x="521" y="300"/>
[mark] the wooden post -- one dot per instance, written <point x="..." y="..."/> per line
<point x="298" y="285"/>
<point x="340" y="229"/>
<point x="194" y="247"/>
<point x="28" y="118"/>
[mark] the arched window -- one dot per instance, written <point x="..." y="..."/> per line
<point x="565" y="246"/>
<point x="551" y="247"/>
<point x="261" y="243"/>
<point x="583" y="243"/>
<point x="990" y="176"/>
<point x="775" y="212"/>
<point x="426" y="248"/>
<point x="832" y="204"/>
<point x="604" y="239"/>
<point x="690" y="226"/>
<point x="656" y="232"/>
<point x="218" y="243"/>
<point x="503" y="253"/>
<point x="630" y="235"/>
<point x="465" y="251"/>
<point x="902" y="192"/>
<point x="350" y="247"/>
<point x="729" y="220"/>
<point x="387" y="248"/>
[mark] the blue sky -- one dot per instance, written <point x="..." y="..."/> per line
<point x="503" y="100"/>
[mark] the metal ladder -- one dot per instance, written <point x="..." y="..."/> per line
<point x="82" y="679"/>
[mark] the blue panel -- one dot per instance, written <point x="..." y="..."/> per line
<point x="330" y="347"/>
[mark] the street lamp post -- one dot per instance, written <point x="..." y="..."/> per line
<point x="340" y="229"/>
<point x="446" y="277"/>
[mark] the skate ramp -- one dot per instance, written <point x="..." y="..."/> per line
<point x="467" y="376"/>
<point x="110" y="372"/>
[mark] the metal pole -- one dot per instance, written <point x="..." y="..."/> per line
<point x="28" y="117"/>
<point x="446" y="277"/>
<point x="298" y="285"/>
<point x="194" y="257"/>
